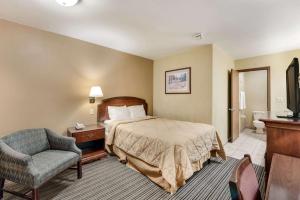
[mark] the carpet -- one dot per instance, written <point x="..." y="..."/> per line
<point x="109" y="179"/>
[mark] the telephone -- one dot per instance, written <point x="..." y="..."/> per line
<point x="79" y="126"/>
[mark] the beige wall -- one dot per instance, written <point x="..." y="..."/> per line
<point x="222" y="63"/>
<point x="278" y="63"/>
<point x="45" y="78"/>
<point x="255" y="87"/>
<point x="195" y="107"/>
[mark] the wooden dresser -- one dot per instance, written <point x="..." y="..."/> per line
<point x="91" y="140"/>
<point x="284" y="178"/>
<point x="283" y="137"/>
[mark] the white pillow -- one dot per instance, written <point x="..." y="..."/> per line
<point x="136" y="111"/>
<point x="118" y="113"/>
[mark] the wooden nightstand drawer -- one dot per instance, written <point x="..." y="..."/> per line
<point x="87" y="136"/>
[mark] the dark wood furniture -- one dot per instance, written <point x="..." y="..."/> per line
<point x="243" y="183"/>
<point x="283" y="137"/>
<point x="91" y="140"/>
<point x="284" y="178"/>
<point x="32" y="194"/>
<point x="102" y="113"/>
<point x="2" y="181"/>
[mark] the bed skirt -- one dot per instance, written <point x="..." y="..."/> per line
<point x="154" y="173"/>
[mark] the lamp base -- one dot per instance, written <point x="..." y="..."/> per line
<point x="92" y="99"/>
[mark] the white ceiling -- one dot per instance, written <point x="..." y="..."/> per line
<point x="157" y="28"/>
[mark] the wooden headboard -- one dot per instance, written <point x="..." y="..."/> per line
<point x="102" y="112"/>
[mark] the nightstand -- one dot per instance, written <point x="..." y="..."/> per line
<point x="91" y="140"/>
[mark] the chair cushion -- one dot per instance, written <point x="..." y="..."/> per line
<point x="51" y="162"/>
<point x="28" y="141"/>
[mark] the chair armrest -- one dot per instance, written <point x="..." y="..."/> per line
<point x="62" y="143"/>
<point x="16" y="166"/>
<point x="9" y="154"/>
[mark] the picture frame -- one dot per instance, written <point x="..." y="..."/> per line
<point x="178" y="81"/>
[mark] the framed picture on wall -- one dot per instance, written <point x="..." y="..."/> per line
<point x="178" y="81"/>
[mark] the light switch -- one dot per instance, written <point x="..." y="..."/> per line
<point x="91" y="111"/>
<point x="278" y="99"/>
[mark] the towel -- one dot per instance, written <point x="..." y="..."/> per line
<point x="242" y="100"/>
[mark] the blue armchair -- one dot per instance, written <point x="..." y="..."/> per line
<point x="32" y="157"/>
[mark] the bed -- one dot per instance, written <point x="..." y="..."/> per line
<point x="166" y="151"/>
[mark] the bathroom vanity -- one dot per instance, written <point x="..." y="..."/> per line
<point x="283" y="137"/>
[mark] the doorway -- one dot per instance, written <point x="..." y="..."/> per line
<point x="249" y="96"/>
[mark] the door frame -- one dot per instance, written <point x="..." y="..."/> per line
<point x="268" y="81"/>
<point x="268" y="69"/>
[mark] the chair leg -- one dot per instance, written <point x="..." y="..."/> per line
<point x="2" y="180"/>
<point x="79" y="170"/>
<point x="208" y="161"/>
<point x="35" y="194"/>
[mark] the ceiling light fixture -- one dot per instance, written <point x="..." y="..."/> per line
<point x="67" y="3"/>
<point x="198" y="36"/>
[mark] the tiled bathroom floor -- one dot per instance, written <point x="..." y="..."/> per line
<point x="248" y="142"/>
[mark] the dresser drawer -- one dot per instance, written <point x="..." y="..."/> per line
<point x="87" y="136"/>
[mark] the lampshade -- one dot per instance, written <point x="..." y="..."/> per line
<point x="67" y="3"/>
<point x="96" y="91"/>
